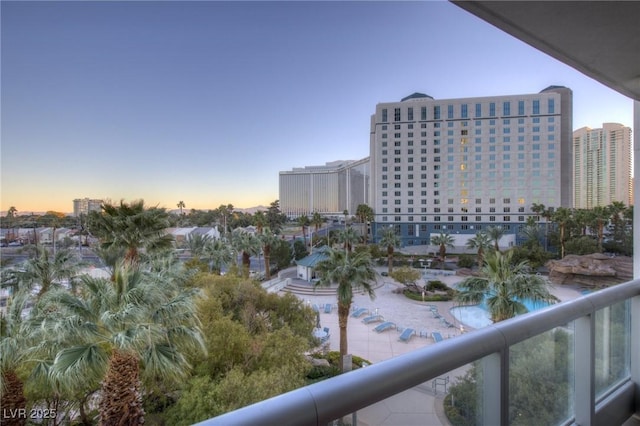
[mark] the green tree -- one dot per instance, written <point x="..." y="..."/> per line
<point x="406" y="275"/>
<point x="131" y="226"/>
<point x="504" y="285"/>
<point x="348" y="237"/>
<point x="45" y="270"/>
<point x="267" y="240"/>
<point x="281" y="253"/>
<point x="304" y="222"/>
<point x="598" y="219"/>
<point x="481" y="242"/>
<point x="218" y="255"/>
<point x="259" y="221"/>
<point x="562" y="217"/>
<point x="137" y="321"/>
<point x="364" y="213"/>
<point x="15" y="345"/>
<point x="495" y="233"/>
<point x="299" y="250"/>
<point x="181" y="205"/>
<point x="317" y="220"/>
<point x="247" y="245"/>
<point x="390" y="240"/>
<point x="443" y="241"/>
<point x="350" y="273"/>
<point x="197" y="244"/>
<point x="275" y="218"/>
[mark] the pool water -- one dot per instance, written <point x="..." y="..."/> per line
<point x="477" y="316"/>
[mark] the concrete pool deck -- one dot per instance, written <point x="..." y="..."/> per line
<point x="420" y="405"/>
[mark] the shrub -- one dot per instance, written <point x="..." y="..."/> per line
<point x="466" y="261"/>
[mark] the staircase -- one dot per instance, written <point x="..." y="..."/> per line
<point x="307" y="289"/>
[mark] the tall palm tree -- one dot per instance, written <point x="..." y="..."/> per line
<point x="304" y="222"/>
<point x="495" y="233"/>
<point x="351" y="273"/>
<point x="481" y="242"/>
<point x="390" y="240"/>
<point x="443" y="240"/>
<point x="505" y="286"/>
<point x="259" y="220"/>
<point x="562" y="217"/>
<point x="218" y="254"/>
<point x="181" y="205"/>
<point x="44" y="270"/>
<point x="248" y="245"/>
<point x="268" y="240"/>
<point x="531" y="233"/>
<point x="131" y="226"/>
<point x="348" y="237"/>
<point x="138" y="326"/>
<point x="317" y="220"/>
<point x="598" y="218"/>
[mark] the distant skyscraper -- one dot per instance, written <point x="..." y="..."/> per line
<point x="85" y="205"/>
<point x="329" y="190"/>
<point x="458" y="165"/>
<point x="602" y="166"/>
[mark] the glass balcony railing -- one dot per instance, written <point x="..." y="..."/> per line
<point x="581" y="358"/>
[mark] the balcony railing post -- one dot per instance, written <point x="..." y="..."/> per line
<point x="493" y="392"/>
<point x="584" y="384"/>
<point x="635" y="349"/>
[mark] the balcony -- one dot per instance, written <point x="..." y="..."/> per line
<point x="599" y="366"/>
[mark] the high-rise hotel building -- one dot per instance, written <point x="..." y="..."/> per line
<point x="602" y="166"/>
<point x="329" y="190"/>
<point x="458" y="165"/>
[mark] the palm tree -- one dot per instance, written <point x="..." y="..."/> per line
<point x="218" y="254"/>
<point x="348" y="237"/>
<point x="351" y="273"/>
<point x="44" y="270"/>
<point x="131" y="226"/>
<point x="248" y="245"/>
<point x="14" y="347"/>
<point x="481" y="242"/>
<point x="442" y="241"/>
<point x="562" y="216"/>
<point x="304" y="222"/>
<point x="259" y="220"/>
<point x="390" y="240"/>
<point x="197" y="244"/>
<point x="504" y="286"/>
<point x="268" y="240"/>
<point x="137" y="327"/>
<point x="530" y="232"/>
<point x="317" y="220"/>
<point x="495" y="233"/>
<point x="598" y="218"/>
<point x="181" y="205"/>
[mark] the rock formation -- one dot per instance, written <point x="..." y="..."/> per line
<point x="592" y="270"/>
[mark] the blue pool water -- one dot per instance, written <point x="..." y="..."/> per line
<point x="477" y="316"/>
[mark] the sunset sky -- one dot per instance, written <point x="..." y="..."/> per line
<point x="206" y="102"/>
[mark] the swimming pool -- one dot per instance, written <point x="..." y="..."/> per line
<point x="477" y="316"/>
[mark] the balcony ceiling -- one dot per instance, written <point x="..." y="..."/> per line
<point x="601" y="39"/>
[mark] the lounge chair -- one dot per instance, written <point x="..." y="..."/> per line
<point x="359" y="312"/>
<point x="327" y="308"/>
<point x="384" y="326"/>
<point x="406" y="334"/>
<point x="373" y="318"/>
<point x="436" y="336"/>
<point x="315" y="308"/>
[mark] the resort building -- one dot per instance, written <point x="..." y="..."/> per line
<point x="457" y="165"/>
<point x="602" y="166"/>
<point x="86" y="205"/>
<point x="329" y="190"/>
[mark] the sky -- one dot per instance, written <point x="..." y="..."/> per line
<point x="205" y="102"/>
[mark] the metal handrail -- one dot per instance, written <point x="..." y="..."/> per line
<point x="322" y="402"/>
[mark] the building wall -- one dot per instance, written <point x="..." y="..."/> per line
<point x="86" y="205"/>
<point x="458" y="165"/>
<point x="328" y="189"/>
<point x="602" y="166"/>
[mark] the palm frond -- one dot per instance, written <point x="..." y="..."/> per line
<point x="75" y="365"/>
